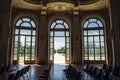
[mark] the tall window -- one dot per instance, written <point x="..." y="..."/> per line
<point x="24" y="40"/>
<point x="94" y="48"/>
<point x="59" y="29"/>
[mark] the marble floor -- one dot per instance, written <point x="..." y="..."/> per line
<point x="57" y="67"/>
<point x="56" y="71"/>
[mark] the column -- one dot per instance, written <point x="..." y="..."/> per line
<point x="114" y="10"/>
<point x="5" y="18"/>
<point x="77" y="56"/>
<point x="43" y="39"/>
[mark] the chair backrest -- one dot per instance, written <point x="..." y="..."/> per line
<point x="17" y="76"/>
<point x="11" y="76"/>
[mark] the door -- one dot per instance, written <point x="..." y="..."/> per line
<point x="59" y="29"/>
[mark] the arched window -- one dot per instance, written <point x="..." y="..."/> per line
<point x="24" y="40"/>
<point x="94" y="41"/>
<point x="59" y="40"/>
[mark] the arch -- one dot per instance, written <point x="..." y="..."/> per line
<point x="64" y="18"/>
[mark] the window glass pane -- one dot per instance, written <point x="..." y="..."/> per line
<point x="18" y="22"/>
<point x="67" y="39"/>
<point x="51" y="33"/>
<point x="85" y="45"/>
<point x="90" y="39"/>
<point x="68" y="45"/>
<point x="26" y="19"/>
<point x="16" y="38"/>
<point x="92" y="20"/>
<point x="25" y="24"/>
<point x="93" y="32"/>
<point x="86" y="24"/>
<point x="16" y="44"/>
<point x="86" y="54"/>
<point x="32" y="23"/>
<point x="68" y="57"/>
<point x="16" y="31"/>
<point x="51" y="45"/>
<point x="65" y="24"/>
<point x="33" y="39"/>
<point x="59" y="21"/>
<point x="97" y="45"/>
<point x="51" y="54"/>
<point x="22" y="40"/>
<point x="92" y="25"/>
<point x="28" y="38"/>
<point x="33" y="32"/>
<point x="101" y="38"/>
<point x="51" y="39"/>
<point x="15" y="50"/>
<point x="96" y="39"/>
<point x="100" y="23"/>
<point x="59" y="26"/>
<point x="59" y="33"/>
<point x="33" y="45"/>
<point x="101" y="32"/>
<point x="91" y="56"/>
<point x="102" y="44"/>
<point x="25" y="32"/>
<point x="53" y="25"/>
<point x="85" y="32"/>
<point x="67" y="33"/>
<point x="97" y="54"/>
<point x="85" y="39"/>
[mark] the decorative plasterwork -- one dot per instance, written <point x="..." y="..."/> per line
<point x="60" y="6"/>
<point x="26" y="5"/>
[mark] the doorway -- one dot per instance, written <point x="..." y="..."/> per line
<point x="59" y="42"/>
<point x="59" y="46"/>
